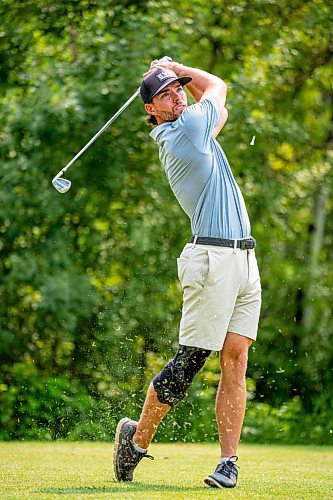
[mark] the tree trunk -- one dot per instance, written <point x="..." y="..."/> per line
<point x="317" y="233"/>
<point x="316" y="242"/>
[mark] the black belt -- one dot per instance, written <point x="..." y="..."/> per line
<point x="246" y="244"/>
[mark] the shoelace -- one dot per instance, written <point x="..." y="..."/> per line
<point x="144" y="454"/>
<point x="227" y="467"/>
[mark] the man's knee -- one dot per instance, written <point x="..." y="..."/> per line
<point x="172" y="383"/>
<point x="234" y="356"/>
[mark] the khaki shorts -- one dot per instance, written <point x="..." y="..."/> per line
<point x="221" y="293"/>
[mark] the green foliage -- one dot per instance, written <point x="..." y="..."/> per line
<point x="288" y="423"/>
<point x="35" y="406"/>
<point x="89" y="300"/>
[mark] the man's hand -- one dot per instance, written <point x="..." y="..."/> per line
<point x="163" y="63"/>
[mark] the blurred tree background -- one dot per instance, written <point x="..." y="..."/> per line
<point x="89" y="298"/>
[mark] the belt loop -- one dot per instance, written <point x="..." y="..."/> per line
<point x="235" y="246"/>
<point x="194" y="240"/>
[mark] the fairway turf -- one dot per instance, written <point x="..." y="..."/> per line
<point x="78" y="470"/>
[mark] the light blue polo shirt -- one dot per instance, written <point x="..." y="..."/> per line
<point x="199" y="173"/>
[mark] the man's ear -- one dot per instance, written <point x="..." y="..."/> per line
<point x="150" y="109"/>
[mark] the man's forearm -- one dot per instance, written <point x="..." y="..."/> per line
<point x="202" y="81"/>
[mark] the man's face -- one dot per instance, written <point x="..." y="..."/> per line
<point x="168" y="104"/>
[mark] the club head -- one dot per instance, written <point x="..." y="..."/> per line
<point x="61" y="185"/>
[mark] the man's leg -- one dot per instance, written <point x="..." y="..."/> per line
<point x="230" y="407"/>
<point x="133" y="438"/>
<point x="152" y="414"/>
<point x="167" y="389"/>
<point x="231" y="395"/>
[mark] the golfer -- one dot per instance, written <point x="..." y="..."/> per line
<point x="217" y="268"/>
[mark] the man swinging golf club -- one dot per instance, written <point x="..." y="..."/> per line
<point x="217" y="269"/>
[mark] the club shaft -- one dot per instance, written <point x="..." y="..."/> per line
<point x="100" y="132"/>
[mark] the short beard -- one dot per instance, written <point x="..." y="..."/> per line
<point x="168" y="116"/>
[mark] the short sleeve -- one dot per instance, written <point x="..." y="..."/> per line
<point x="198" y="121"/>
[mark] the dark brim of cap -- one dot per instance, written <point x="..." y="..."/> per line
<point x="183" y="80"/>
<point x="151" y="86"/>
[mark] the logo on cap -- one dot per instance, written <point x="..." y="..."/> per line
<point x="164" y="75"/>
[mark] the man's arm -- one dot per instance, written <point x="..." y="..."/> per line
<point x="203" y="84"/>
<point x="222" y="122"/>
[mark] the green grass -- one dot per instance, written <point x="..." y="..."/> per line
<point x="78" y="470"/>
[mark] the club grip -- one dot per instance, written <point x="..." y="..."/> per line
<point x="166" y="58"/>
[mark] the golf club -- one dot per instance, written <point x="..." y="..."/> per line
<point x="63" y="185"/>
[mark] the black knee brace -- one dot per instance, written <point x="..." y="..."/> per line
<point x="172" y="382"/>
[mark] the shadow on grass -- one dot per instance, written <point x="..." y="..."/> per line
<point x="134" y="487"/>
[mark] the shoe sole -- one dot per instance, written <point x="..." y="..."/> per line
<point x="210" y="481"/>
<point x="120" y="425"/>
